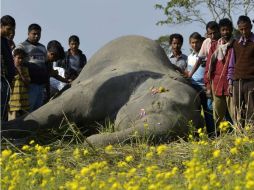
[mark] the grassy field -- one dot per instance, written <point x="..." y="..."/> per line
<point x="226" y="162"/>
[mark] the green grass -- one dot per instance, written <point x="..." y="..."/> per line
<point x="226" y="162"/>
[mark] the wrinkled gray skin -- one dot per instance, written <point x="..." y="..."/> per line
<point x="116" y="83"/>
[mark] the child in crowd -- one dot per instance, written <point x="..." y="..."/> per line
<point x="19" y="104"/>
<point x="55" y="52"/>
<point x="197" y="79"/>
<point x="74" y="60"/>
<point x="216" y="73"/>
<point x="176" y="57"/>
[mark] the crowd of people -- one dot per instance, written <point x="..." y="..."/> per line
<point x="27" y="69"/>
<point x="220" y="67"/>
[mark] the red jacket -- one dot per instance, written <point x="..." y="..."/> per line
<point x="218" y="71"/>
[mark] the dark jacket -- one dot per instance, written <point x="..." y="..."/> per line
<point x="7" y="64"/>
<point x="65" y="63"/>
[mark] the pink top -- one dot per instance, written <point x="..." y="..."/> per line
<point x="206" y="45"/>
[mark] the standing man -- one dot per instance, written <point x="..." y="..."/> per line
<point x="8" y="25"/>
<point x="216" y="72"/>
<point x="241" y="72"/>
<point x="177" y="57"/>
<point x="37" y="55"/>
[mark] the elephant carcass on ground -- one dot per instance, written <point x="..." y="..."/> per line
<point x="121" y="82"/>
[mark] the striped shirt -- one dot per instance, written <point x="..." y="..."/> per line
<point x="19" y="94"/>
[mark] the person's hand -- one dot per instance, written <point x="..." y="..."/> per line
<point x="230" y="90"/>
<point x="189" y="74"/>
<point x="209" y="76"/>
<point x="208" y="92"/>
<point x="186" y="74"/>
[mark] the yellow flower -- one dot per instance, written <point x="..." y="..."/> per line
<point x="116" y="185"/>
<point x="43" y="183"/>
<point x="151" y="169"/>
<point x="238" y="141"/>
<point x="6" y="154"/>
<point x="149" y="155"/>
<point x="252" y="154"/>
<point x="174" y="170"/>
<point x="44" y="170"/>
<point x="85" y="152"/>
<point x="224" y="126"/>
<point x="161" y="149"/>
<point x="25" y="147"/>
<point x="122" y="164"/>
<point x="58" y="151"/>
<point x="249" y="184"/>
<point x="216" y="153"/>
<point x="233" y="150"/>
<point x="76" y="154"/>
<point x="129" y="158"/>
<point x="84" y="170"/>
<point x="31" y="142"/>
<point x="199" y="130"/>
<point x="40" y="162"/>
<point x="109" y="148"/>
<point x="72" y="185"/>
<point x="162" y="89"/>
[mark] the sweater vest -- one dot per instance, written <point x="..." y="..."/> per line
<point x="244" y="60"/>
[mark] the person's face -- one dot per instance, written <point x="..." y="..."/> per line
<point x="11" y="35"/>
<point x="34" y="36"/>
<point x="212" y="34"/>
<point x="73" y="45"/>
<point x="226" y="32"/>
<point x="195" y="44"/>
<point x="18" y="60"/>
<point x="245" y="29"/>
<point x="176" y="45"/>
<point x="7" y="30"/>
<point x="51" y="56"/>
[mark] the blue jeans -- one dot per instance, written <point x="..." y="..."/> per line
<point x="36" y="96"/>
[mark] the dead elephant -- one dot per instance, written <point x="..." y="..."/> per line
<point x="130" y="81"/>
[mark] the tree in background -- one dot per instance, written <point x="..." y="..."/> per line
<point x="187" y="11"/>
<point x="164" y="43"/>
<point x="202" y="11"/>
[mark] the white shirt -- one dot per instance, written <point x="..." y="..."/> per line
<point x="56" y="84"/>
<point x="198" y="76"/>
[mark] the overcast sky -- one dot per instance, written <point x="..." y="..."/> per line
<point x="96" y="22"/>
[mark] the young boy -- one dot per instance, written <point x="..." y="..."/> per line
<point x="197" y="79"/>
<point x="19" y="104"/>
<point x="241" y="72"/>
<point x="216" y="72"/>
<point x="176" y="57"/>
<point x="74" y="60"/>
